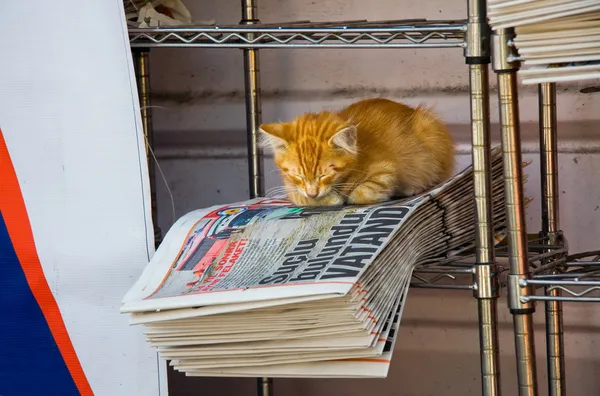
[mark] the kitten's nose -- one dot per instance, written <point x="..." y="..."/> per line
<point x="312" y="191"/>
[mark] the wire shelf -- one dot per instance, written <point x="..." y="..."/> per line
<point x="456" y="272"/>
<point x="576" y="276"/>
<point x="458" y="276"/>
<point x="415" y="33"/>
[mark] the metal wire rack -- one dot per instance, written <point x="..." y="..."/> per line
<point x="417" y="33"/>
<point x="577" y="276"/>
<point x="457" y="272"/>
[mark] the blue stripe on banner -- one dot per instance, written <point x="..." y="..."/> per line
<point x="30" y="361"/>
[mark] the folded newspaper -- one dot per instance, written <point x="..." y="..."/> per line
<point x="557" y="40"/>
<point x="262" y="288"/>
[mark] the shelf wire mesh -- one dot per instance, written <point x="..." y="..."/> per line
<point x="576" y="275"/>
<point x="415" y="33"/>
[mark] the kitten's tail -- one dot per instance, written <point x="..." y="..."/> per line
<point x="424" y="114"/>
<point x="426" y="121"/>
<point x="433" y="132"/>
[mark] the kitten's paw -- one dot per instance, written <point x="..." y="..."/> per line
<point x="299" y="199"/>
<point x="410" y="191"/>
<point x="364" y="194"/>
<point x="328" y="200"/>
<point x="331" y="199"/>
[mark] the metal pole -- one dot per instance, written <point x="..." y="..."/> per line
<point x="486" y="271"/>
<point x="515" y="210"/>
<point x="253" y="121"/>
<point x="142" y="72"/>
<point x="477" y="56"/>
<point x="253" y="111"/>
<point x="548" y="157"/>
<point x="550" y="229"/>
<point x="265" y="387"/>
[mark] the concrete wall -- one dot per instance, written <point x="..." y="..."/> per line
<point x="200" y="128"/>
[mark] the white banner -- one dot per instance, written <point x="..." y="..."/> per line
<point x="74" y="197"/>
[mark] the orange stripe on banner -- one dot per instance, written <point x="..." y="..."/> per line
<point x="17" y="222"/>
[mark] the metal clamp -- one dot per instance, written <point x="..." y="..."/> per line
<point x="477" y="48"/>
<point x="557" y="238"/>
<point x="516" y="285"/>
<point x="504" y="54"/>
<point x="485" y="279"/>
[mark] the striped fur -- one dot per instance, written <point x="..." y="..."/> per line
<point x="365" y="153"/>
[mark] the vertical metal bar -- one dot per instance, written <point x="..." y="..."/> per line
<point x="548" y="157"/>
<point x="555" y="345"/>
<point x="142" y="72"/>
<point x="525" y="348"/>
<point x="253" y="106"/>
<point x="477" y="55"/>
<point x="550" y="229"/>
<point x="517" y="231"/>
<point x="253" y="121"/>
<point x="265" y="387"/>
<point x="489" y="346"/>
<point x="486" y="273"/>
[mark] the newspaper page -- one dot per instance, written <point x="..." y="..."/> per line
<point x="262" y="250"/>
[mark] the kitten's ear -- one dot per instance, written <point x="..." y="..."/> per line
<point x="271" y="136"/>
<point x="345" y="139"/>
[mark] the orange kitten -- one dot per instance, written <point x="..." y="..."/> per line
<point x="369" y="152"/>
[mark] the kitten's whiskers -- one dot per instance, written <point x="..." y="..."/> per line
<point x="279" y="192"/>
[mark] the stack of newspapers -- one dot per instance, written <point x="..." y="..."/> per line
<point x="557" y="40"/>
<point x="262" y="288"/>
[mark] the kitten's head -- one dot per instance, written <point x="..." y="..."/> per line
<point x="314" y="152"/>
